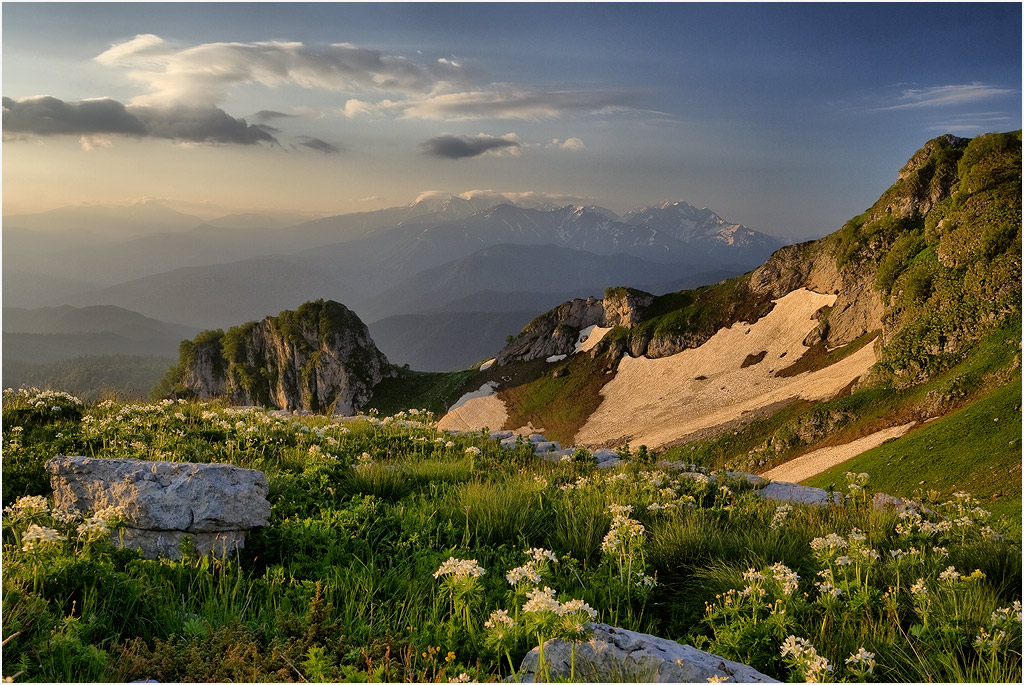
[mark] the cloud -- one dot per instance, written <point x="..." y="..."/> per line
<point x="460" y="147"/>
<point x="493" y="104"/>
<point x="269" y="115"/>
<point x="528" y="198"/>
<point x="944" y="96"/>
<point x="319" y="145"/>
<point x="44" y="115"/>
<point x="573" y="144"/>
<point x="89" y="143"/>
<point x="204" y="73"/>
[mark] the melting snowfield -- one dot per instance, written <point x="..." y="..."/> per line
<point x="657" y="401"/>
<point x="813" y="463"/>
<point x="475" y="410"/>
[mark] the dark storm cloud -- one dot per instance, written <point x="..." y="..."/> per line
<point x="459" y="147"/>
<point x="48" y="116"/>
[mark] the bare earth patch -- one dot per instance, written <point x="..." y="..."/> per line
<point x="813" y="463"/>
<point x="657" y="401"/>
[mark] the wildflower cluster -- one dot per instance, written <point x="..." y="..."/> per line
<point x="531" y="573"/>
<point x="801" y="655"/>
<point x="459" y="569"/>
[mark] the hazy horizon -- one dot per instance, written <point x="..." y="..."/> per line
<point x="789" y="118"/>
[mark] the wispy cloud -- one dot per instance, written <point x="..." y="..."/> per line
<point x="496" y="104"/>
<point x="265" y="115"/>
<point x="973" y="122"/>
<point x="204" y="73"/>
<point x="44" y="115"/>
<point x="460" y="147"/>
<point x="319" y="145"/>
<point x="945" y="96"/>
<point x="490" y="104"/>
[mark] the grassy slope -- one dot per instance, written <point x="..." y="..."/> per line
<point x="976" y="449"/>
<point x="559" y="405"/>
<point x="419" y="390"/>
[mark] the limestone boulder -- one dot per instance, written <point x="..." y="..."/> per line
<point x="164" y="501"/>
<point x="798" y="494"/>
<point x="617" y="655"/>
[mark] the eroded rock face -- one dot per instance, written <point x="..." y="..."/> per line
<point x="318" y="358"/>
<point x="616" y="655"/>
<point x="858" y="308"/>
<point x="553" y="333"/>
<point x="625" y="306"/>
<point x="162" y="502"/>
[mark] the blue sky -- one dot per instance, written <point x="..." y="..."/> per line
<point x="789" y="118"/>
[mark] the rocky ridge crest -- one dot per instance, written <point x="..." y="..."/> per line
<point x="319" y="357"/>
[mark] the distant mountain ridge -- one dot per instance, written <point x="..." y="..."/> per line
<point x="414" y="258"/>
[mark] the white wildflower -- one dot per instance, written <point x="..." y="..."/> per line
<point x="460" y="568"/>
<point x="499" y="617"/>
<point x="862" y="659"/>
<point x="38" y="535"/>
<point x="541" y="600"/>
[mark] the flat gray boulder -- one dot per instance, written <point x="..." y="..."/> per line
<point x="798" y="494"/>
<point x="617" y="655"/>
<point x="163" y="501"/>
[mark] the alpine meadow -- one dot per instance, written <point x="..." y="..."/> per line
<point x="583" y="342"/>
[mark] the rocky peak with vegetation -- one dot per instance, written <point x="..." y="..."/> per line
<point x="927" y="275"/>
<point x="319" y="357"/>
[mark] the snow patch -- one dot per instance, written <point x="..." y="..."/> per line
<point x="486" y="389"/>
<point x="589" y="337"/>
<point x="555" y="358"/>
<point x="487" y="364"/>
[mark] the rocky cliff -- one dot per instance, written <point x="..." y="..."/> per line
<point x="933" y="264"/>
<point x="319" y="357"/>
<point x="902" y="293"/>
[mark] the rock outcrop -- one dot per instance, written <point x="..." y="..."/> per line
<point x="617" y="655"/>
<point x="553" y="333"/>
<point x="319" y="357"/>
<point x="164" y="502"/>
<point x="558" y="331"/>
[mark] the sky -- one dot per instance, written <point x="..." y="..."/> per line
<point x="788" y="118"/>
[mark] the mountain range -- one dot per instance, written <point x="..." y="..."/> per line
<point x="436" y="254"/>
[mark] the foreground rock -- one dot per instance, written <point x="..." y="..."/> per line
<point x="163" y="502"/>
<point x="616" y="655"/>
<point x="798" y="494"/>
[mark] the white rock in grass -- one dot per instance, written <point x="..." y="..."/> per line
<point x="798" y="494"/>
<point x="164" y="501"/>
<point x="616" y="655"/>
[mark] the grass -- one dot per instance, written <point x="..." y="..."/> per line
<point x="559" y="405"/>
<point x="341" y="585"/>
<point x="976" y="449"/>
<point x="419" y="390"/>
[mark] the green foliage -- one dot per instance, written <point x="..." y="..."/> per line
<point x="976" y="449"/>
<point x="956" y="277"/>
<point x="344" y="582"/>
<point x="407" y="389"/>
<point x="693" y="315"/>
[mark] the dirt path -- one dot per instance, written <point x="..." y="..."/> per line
<point x="813" y="463"/>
